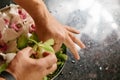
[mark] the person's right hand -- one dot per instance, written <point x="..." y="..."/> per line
<point x="25" y="68"/>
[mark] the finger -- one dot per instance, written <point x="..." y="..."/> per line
<point x="48" y="61"/>
<point x="77" y="41"/>
<point x="71" y="45"/>
<point x="57" y="46"/>
<point x="27" y="51"/>
<point x="52" y="69"/>
<point x="72" y="30"/>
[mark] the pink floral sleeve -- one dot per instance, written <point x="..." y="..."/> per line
<point x="14" y="21"/>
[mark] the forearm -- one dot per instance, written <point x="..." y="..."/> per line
<point x="36" y="8"/>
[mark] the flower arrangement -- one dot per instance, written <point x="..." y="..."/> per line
<point x="14" y="21"/>
<point x="17" y="31"/>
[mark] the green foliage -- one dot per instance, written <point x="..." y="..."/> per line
<point x="3" y="67"/>
<point x="22" y="41"/>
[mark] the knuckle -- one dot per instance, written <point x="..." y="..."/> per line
<point x="74" y="38"/>
<point x="55" y="66"/>
<point x="20" y="52"/>
<point x="41" y="63"/>
<point x="61" y="35"/>
<point x="53" y="57"/>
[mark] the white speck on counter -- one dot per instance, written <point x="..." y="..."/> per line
<point x="73" y="61"/>
<point x="100" y="68"/>
<point x="106" y="68"/>
<point x="114" y="26"/>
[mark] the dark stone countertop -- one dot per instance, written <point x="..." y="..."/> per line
<point x="95" y="64"/>
<point x="99" y="23"/>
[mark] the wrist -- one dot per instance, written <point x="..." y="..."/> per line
<point x="37" y="9"/>
<point x="12" y="73"/>
<point x="5" y="75"/>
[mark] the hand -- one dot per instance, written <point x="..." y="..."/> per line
<point x="25" y="68"/>
<point x="60" y="33"/>
<point x="48" y="27"/>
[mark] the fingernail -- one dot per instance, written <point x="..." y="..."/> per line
<point x="78" y="32"/>
<point x="78" y="58"/>
<point x="45" y="54"/>
<point x="83" y="46"/>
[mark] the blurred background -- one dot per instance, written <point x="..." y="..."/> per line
<point x="99" y="24"/>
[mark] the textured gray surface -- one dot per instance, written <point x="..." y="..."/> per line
<point x="4" y="3"/>
<point x="99" y="23"/>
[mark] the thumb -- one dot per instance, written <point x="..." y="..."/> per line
<point x="28" y="51"/>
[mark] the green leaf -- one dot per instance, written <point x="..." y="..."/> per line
<point x="49" y="42"/>
<point x="22" y="41"/>
<point x="3" y="67"/>
<point x="45" y="78"/>
<point x="34" y="37"/>
<point x="61" y="56"/>
<point x="47" y="48"/>
<point x="36" y="43"/>
<point x="63" y="48"/>
<point x="40" y="47"/>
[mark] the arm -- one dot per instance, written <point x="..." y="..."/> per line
<point x="48" y="27"/>
<point x="36" y="8"/>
